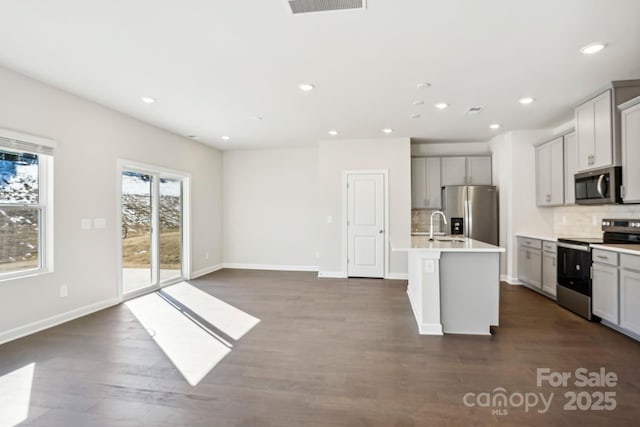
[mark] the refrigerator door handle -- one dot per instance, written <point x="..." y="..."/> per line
<point x="467" y="213"/>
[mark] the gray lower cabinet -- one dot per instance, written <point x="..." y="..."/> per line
<point x="616" y="290"/>
<point x="530" y="262"/>
<point x="630" y="298"/>
<point x="605" y="295"/>
<point x="549" y="268"/>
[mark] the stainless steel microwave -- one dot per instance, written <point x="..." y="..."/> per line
<point x="599" y="187"/>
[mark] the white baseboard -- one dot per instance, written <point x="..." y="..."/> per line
<point x="510" y="280"/>
<point x="58" y="319"/>
<point x="273" y="267"/>
<point x="204" y="271"/>
<point x="397" y="276"/>
<point x="424" y="328"/>
<point x="331" y="275"/>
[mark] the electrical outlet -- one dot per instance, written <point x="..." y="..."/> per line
<point x="85" y="223"/>
<point x="564" y="220"/>
<point x="206" y="255"/>
<point x="317" y="254"/>
<point x="64" y="291"/>
<point x="329" y="219"/>
<point x="594" y="220"/>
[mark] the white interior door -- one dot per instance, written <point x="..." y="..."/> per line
<point x="365" y="225"/>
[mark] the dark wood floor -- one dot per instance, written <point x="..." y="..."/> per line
<point x="327" y="353"/>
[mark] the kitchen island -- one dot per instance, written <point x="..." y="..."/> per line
<point x="454" y="284"/>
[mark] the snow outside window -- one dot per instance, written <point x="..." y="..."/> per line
<point x="22" y="212"/>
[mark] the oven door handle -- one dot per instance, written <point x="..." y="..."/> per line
<point x="576" y="247"/>
<point x="599" y="186"/>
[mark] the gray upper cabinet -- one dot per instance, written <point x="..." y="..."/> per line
<point x="550" y="173"/>
<point x="598" y="129"/>
<point x="479" y="170"/>
<point x="630" y="136"/>
<point x="425" y="183"/>
<point x="593" y="128"/>
<point x="454" y="171"/>
<point x="570" y="168"/>
<point x="470" y="170"/>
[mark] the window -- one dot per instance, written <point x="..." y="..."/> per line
<point x="24" y="207"/>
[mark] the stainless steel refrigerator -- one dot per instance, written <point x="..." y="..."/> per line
<point x="472" y="210"/>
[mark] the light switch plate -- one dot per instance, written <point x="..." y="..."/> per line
<point x="99" y="223"/>
<point x="85" y="223"/>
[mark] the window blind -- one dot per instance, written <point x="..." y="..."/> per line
<point x="21" y="142"/>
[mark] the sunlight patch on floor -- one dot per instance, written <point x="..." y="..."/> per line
<point x="15" y="395"/>
<point x="229" y="319"/>
<point x="192" y="350"/>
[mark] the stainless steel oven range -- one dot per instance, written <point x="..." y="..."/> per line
<point x="574" y="263"/>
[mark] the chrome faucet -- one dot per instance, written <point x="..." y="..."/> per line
<point x="431" y="223"/>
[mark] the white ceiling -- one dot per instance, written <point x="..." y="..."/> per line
<point x="214" y="65"/>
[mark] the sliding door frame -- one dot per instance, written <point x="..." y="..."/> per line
<point x="156" y="172"/>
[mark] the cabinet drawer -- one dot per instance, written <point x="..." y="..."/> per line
<point x="631" y="262"/>
<point x="549" y="246"/>
<point x="605" y="257"/>
<point x="530" y="243"/>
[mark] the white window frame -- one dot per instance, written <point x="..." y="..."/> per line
<point x="19" y="142"/>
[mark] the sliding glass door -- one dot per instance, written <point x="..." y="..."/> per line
<point x="152" y="215"/>
<point x="170" y="229"/>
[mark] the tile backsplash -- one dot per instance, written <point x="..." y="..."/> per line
<point x="586" y="221"/>
<point x="420" y="220"/>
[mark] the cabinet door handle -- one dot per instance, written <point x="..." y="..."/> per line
<point x="602" y="257"/>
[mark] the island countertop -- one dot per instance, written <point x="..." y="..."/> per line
<point x="442" y="244"/>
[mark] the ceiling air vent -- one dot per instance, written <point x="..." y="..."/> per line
<point x="307" y="6"/>
<point x="473" y="110"/>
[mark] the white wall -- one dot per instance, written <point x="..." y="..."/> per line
<point x="515" y="176"/>
<point x="336" y="156"/>
<point x="449" y="148"/>
<point x="90" y="140"/>
<point x="271" y="208"/>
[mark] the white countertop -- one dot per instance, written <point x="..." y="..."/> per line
<point x="538" y="236"/>
<point x="422" y="243"/>
<point x="627" y="249"/>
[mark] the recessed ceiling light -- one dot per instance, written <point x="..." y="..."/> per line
<point x="418" y="103"/>
<point x="415" y="116"/>
<point x="592" y="48"/>
<point x="423" y="85"/>
<point x="387" y="130"/>
<point x="333" y="132"/>
<point x="527" y="100"/>
<point x="495" y="126"/>
<point x="148" y="100"/>
<point x="225" y="137"/>
<point x="441" y="105"/>
<point x="306" y="87"/>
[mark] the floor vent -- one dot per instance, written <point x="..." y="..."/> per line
<point x="308" y="6"/>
